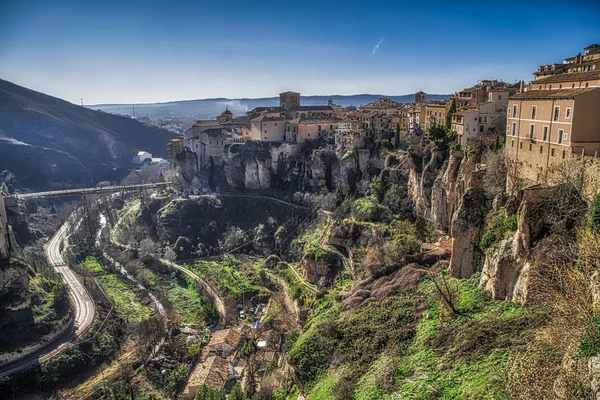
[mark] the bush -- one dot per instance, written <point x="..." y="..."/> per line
<point x="366" y="210"/>
<point x="498" y="231"/>
<point x="249" y="348"/>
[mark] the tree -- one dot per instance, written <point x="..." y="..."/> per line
<point x="237" y="393"/>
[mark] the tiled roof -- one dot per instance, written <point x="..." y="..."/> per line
<point x="240" y="120"/>
<point x="311" y="108"/>
<point x="552" y="94"/>
<point x="569" y="77"/>
<point x="214" y="132"/>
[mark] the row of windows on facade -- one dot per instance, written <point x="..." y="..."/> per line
<point x="555" y="116"/>
<point x="561" y="133"/>
<point x="552" y="151"/>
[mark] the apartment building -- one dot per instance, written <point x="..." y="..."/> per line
<point x="556" y="117"/>
<point x="549" y="125"/>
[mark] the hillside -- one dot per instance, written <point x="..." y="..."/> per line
<point x="210" y="108"/>
<point x="48" y="142"/>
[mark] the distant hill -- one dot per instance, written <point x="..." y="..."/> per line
<point x="210" y="108"/>
<point x="48" y="142"/>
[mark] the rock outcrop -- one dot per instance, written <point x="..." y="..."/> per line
<point x="508" y="267"/>
<point x="467" y="226"/>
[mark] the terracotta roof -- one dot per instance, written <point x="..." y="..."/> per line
<point x="214" y="132"/>
<point x="311" y="108"/>
<point x="553" y="94"/>
<point x="569" y="77"/>
<point x="213" y="372"/>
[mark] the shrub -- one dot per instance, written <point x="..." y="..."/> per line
<point x="497" y="231"/>
<point x="366" y="210"/>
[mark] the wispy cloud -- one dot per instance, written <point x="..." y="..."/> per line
<point x="377" y="45"/>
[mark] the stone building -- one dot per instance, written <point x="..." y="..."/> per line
<point x="482" y="119"/>
<point x="420" y="97"/>
<point x="432" y="113"/>
<point x="589" y="61"/>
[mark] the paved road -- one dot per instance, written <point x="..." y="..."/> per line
<point x="84" y="310"/>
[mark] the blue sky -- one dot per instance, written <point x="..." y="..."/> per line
<point x="150" y="51"/>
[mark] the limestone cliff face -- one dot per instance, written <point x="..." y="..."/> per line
<point x="507" y="271"/>
<point x="423" y="168"/>
<point x="466" y="229"/>
<point x="186" y="163"/>
<point x="249" y="166"/>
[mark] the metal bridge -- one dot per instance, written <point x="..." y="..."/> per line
<point x="94" y="190"/>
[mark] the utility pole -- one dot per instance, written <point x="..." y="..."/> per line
<point x="82" y="102"/>
<point x="133" y="105"/>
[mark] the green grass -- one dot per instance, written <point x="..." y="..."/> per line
<point x="229" y="275"/>
<point x="323" y="390"/>
<point x="126" y="299"/>
<point x="191" y="305"/>
<point x="462" y="357"/>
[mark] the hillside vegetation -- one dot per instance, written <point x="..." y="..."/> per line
<point x="80" y="145"/>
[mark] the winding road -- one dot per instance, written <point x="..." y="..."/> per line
<point x="84" y="310"/>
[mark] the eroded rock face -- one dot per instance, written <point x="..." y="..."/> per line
<point x="249" y="166"/>
<point x="467" y="225"/>
<point x="423" y="168"/>
<point x="186" y="163"/>
<point x="501" y="271"/>
<point x="14" y="286"/>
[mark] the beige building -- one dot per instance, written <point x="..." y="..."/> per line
<point x="556" y="117"/>
<point x="483" y="119"/>
<point x="301" y="129"/>
<point x="431" y="114"/>
<point x="208" y="143"/>
<point x="268" y="129"/>
<point x="589" y="61"/>
<point x="545" y="126"/>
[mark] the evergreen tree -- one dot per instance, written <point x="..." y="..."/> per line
<point x="451" y="111"/>
<point x="397" y="137"/>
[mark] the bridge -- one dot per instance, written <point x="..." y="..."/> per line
<point x="92" y="190"/>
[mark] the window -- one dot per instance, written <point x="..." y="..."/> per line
<point x="512" y="143"/>
<point x="587" y="84"/>
<point x="275" y="123"/>
<point x="531" y="131"/>
<point x="556" y="113"/>
<point x="545" y="134"/>
<point x="552" y="152"/>
<point x="509" y="110"/>
<point x="533" y="111"/>
<point x="515" y="111"/>
<point x="560" y="86"/>
<point x="485" y="120"/>
<point x="530" y="146"/>
<point x="499" y="97"/>
<point x="541" y="150"/>
<point x="507" y="128"/>
<point x="514" y="130"/>
<point x="480" y="128"/>
<point x="550" y="87"/>
<point x="568" y="113"/>
<point x="564" y="154"/>
<point x="561" y="132"/>
<point x="319" y="128"/>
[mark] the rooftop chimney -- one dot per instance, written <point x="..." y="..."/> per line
<point x="521" y="86"/>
